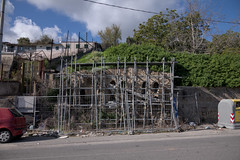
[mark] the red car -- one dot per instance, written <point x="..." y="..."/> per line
<point x="12" y="124"/>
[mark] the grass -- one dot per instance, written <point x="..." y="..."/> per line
<point x="88" y="58"/>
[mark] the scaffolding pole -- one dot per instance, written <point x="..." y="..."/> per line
<point x="92" y="91"/>
<point x="70" y="93"/>
<point x="130" y="107"/>
<point x="172" y="95"/>
<point x="126" y="96"/>
<point x="134" y="79"/>
<point x="163" y="94"/>
<point x="95" y="92"/>
<point x="66" y="96"/>
<point x="101" y="94"/>
<point x="117" y="94"/>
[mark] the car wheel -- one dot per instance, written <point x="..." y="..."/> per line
<point x="5" y="136"/>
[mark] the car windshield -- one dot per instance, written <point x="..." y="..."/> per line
<point x="16" y="113"/>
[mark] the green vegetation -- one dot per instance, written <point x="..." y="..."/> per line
<point x="52" y="93"/>
<point x="174" y="32"/>
<point x="209" y="70"/>
<point x="88" y="58"/>
<point x="44" y="39"/>
<point x="23" y="41"/>
<point x="110" y="36"/>
<point x="141" y="52"/>
<point x="228" y="42"/>
<point x="183" y="36"/>
<point x="107" y="115"/>
<point x="185" y="33"/>
<point x="196" y="69"/>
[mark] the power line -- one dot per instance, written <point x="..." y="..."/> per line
<point x="151" y="12"/>
<point x="127" y="8"/>
<point x="218" y="21"/>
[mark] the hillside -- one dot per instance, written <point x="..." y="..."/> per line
<point x="219" y="70"/>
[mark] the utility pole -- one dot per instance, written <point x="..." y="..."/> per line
<point x="79" y="42"/>
<point x="51" y="52"/>
<point x="66" y="49"/>
<point x="1" y="28"/>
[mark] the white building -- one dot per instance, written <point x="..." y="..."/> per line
<point x="49" y="51"/>
<point x="72" y="47"/>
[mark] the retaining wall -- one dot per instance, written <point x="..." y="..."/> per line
<point x="9" y="88"/>
<point x="199" y="104"/>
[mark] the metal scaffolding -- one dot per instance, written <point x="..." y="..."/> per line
<point x="117" y="96"/>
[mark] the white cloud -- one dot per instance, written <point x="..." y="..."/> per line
<point x="52" y="32"/>
<point x="74" y="37"/>
<point x="9" y="9"/>
<point x="98" y="17"/>
<point x="24" y="27"/>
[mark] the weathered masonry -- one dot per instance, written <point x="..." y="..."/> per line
<point x="117" y="96"/>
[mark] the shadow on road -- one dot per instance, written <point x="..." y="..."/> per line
<point x="32" y="139"/>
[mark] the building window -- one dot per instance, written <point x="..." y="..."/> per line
<point x="48" y="48"/>
<point x="77" y="45"/>
<point x="86" y="46"/>
<point x="67" y="46"/>
<point x="57" y="47"/>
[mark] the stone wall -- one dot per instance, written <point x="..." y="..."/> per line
<point x="9" y="88"/>
<point x="7" y="101"/>
<point x="8" y="91"/>
<point x="5" y="67"/>
<point x="199" y="104"/>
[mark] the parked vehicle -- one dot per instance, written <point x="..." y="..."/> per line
<point x="12" y="124"/>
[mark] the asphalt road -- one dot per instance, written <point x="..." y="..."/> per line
<point x="197" y="145"/>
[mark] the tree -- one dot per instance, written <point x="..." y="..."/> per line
<point x="111" y="36"/>
<point x="153" y="31"/>
<point x="175" y="32"/>
<point x="23" y="41"/>
<point x="130" y="40"/>
<point x="164" y="30"/>
<point x="228" y="42"/>
<point x="45" y="39"/>
<point x="198" y="26"/>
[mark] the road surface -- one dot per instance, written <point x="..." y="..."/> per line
<point x="192" y="145"/>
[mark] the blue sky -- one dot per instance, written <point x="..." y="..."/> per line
<point x="33" y="18"/>
<point x="49" y="18"/>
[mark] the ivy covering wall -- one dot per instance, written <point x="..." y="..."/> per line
<point x="218" y="70"/>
